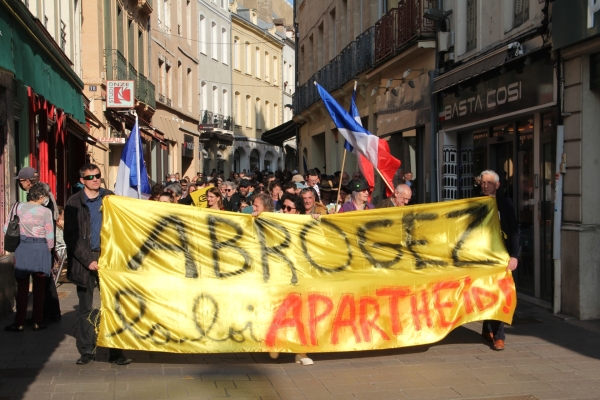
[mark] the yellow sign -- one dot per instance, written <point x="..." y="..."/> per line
<point x="188" y="280"/>
<point x="199" y="196"/>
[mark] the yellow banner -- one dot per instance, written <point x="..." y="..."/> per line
<point x="199" y="196"/>
<point x="181" y="279"/>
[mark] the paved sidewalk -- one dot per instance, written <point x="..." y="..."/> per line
<point x="545" y="358"/>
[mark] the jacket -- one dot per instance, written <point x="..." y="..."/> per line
<point x="77" y="233"/>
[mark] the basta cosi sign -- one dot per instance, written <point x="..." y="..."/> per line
<point x="503" y="94"/>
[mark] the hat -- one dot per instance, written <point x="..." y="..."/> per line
<point x="328" y="186"/>
<point x="300" y="185"/>
<point x="297" y="178"/>
<point x="358" y="185"/>
<point x="244" y="183"/>
<point x="27" y="173"/>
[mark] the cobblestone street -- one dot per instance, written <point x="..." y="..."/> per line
<point x="545" y="358"/>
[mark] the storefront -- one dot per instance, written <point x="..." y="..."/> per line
<point x="505" y="119"/>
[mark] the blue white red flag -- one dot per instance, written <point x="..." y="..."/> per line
<point x="374" y="149"/>
<point x="365" y="167"/>
<point x="132" y="177"/>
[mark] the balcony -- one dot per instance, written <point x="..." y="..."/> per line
<point x="393" y="33"/>
<point x="116" y="65"/>
<point x="219" y="121"/>
<point x="396" y="29"/>
<point x="145" y="6"/>
<point x="145" y="91"/>
<point x="132" y="75"/>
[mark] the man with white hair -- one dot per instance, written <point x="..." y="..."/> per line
<point x="493" y="331"/>
<point x="401" y="197"/>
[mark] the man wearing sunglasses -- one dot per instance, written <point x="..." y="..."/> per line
<point x="83" y="222"/>
<point x="231" y="200"/>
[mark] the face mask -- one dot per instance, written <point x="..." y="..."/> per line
<point x="172" y="179"/>
<point x="45" y="203"/>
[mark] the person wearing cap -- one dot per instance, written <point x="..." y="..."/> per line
<point x="298" y="178"/>
<point x="401" y="197"/>
<point x="299" y="187"/>
<point x="28" y="177"/>
<point x="360" y="197"/>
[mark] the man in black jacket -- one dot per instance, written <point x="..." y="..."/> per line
<point x="83" y="221"/>
<point x="493" y="331"/>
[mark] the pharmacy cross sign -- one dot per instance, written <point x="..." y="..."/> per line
<point x="120" y="94"/>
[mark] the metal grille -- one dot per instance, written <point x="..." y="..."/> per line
<point x="116" y="65"/>
<point x="471" y="24"/>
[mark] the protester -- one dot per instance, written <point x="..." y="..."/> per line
<point x="231" y="201"/>
<point x="184" y="188"/>
<point x="292" y="204"/>
<point x="289" y="187"/>
<point x="276" y="192"/>
<point x="83" y="222"/>
<point x="310" y="198"/>
<point x="260" y="203"/>
<point x="214" y="200"/>
<point x="493" y="331"/>
<point x="192" y="188"/>
<point x="166" y="197"/>
<point x="312" y="180"/>
<point x="344" y="196"/>
<point x="401" y="197"/>
<point x="328" y="191"/>
<point x="33" y="257"/>
<point x="360" y="197"/>
<point x="357" y="176"/>
<point x="156" y="191"/>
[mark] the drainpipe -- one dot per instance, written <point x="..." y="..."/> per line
<point x="434" y="184"/>
<point x="561" y="166"/>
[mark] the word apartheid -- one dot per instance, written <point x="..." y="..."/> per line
<point x="190" y="280"/>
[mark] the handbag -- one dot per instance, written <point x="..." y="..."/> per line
<point x="12" y="236"/>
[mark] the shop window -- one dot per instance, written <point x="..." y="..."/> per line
<point x="595" y="71"/>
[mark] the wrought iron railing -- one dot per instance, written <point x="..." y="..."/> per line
<point x="146" y="91"/>
<point x="116" y="65"/>
<point x="206" y="117"/>
<point x="132" y="75"/>
<point x="228" y="123"/>
<point x="390" y="35"/>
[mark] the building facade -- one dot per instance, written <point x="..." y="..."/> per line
<point x="388" y="50"/>
<point x="576" y="39"/>
<point x="257" y="86"/>
<point x="214" y="71"/>
<point x="497" y="97"/>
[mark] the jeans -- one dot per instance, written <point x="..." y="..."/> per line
<point x="87" y="334"/>
<point x="495" y="327"/>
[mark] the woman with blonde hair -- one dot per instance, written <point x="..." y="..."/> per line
<point x="214" y="199"/>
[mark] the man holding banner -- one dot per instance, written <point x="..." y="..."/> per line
<point x="493" y="331"/>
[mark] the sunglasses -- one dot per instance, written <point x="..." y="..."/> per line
<point x="229" y="190"/>
<point x="91" y="177"/>
<point x="288" y="208"/>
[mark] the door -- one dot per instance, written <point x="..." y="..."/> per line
<point x="547" y="196"/>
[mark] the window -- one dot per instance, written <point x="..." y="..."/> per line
<point x="162" y="82"/>
<point x="215" y="100"/>
<point x="202" y="34"/>
<point x="179" y="84"/>
<point x="520" y="12"/>
<point x="257" y="56"/>
<point x="237" y="112"/>
<point x="275" y="71"/>
<point x="188" y="22"/>
<point x="267" y="77"/>
<point x="267" y="115"/>
<point x="224" y="45"/>
<point x="236" y="53"/>
<point x="179" y="21"/>
<point x="275" y="115"/>
<point x="169" y="91"/>
<point x="141" y="52"/>
<point x="130" y="42"/>
<point x="215" y="40"/>
<point x="248" y="59"/>
<point x="595" y="71"/>
<point x="257" y="113"/>
<point x="63" y="36"/>
<point x="167" y="13"/>
<point x="248" y="111"/>
<point x="120" y="42"/>
<point x="188" y="87"/>
<point x="204" y="97"/>
<point x="225" y="108"/>
<point x="471" y="24"/>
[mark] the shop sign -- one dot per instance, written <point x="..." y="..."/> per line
<point x="574" y="21"/>
<point x="111" y="140"/>
<point x="206" y="127"/>
<point x="188" y="146"/>
<point x="120" y="94"/>
<point x="503" y="94"/>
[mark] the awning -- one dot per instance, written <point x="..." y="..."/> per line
<point x="82" y="132"/>
<point x="470" y="70"/>
<point x="221" y="137"/>
<point x="281" y="133"/>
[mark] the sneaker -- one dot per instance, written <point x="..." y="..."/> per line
<point x="303" y="359"/>
<point x="85" y="359"/>
<point x="120" y="360"/>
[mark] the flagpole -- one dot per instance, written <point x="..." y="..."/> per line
<point x="341" y="177"/>
<point x="137" y="155"/>
<point x="386" y="182"/>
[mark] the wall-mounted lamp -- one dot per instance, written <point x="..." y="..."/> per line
<point x="375" y="90"/>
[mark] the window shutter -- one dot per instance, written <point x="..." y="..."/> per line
<point x="471" y="24"/>
<point x="141" y="52"/>
<point x="120" y="44"/>
<point x="130" y="42"/>
<point x="107" y="25"/>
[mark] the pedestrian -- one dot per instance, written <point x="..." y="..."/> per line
<point x="493" y="331"/>
<point x="33" y="256"/>
<point x="262" y="202"/>
<point x="311" y="202"/>
<point x="83" y="222"/>
<point x="231" y="201"/>
<point x="360" y="197"/>
<point x="401" y="197"/>
<point x="292" y="204"/>
<point x="214" y="200"/>
<point x="28" y="177"/>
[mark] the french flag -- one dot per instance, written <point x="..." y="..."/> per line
<point x="366" y="168"/>
<point x="374" y="149"/>
<point x="132" y="178"/>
